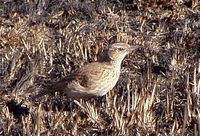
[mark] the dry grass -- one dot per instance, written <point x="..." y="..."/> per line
<point x="158" y="92"/>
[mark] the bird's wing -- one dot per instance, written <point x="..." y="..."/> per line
<point x="83" y="80"/>
<point x="90" y="76"/>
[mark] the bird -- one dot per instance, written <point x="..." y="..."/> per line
<point x="94" y="79"/>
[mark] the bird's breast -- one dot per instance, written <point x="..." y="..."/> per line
<point x="107" y="82"/>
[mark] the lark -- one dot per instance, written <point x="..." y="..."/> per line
<point x="94" y="79"/>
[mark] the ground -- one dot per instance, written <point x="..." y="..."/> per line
<point x="158" y="92"/>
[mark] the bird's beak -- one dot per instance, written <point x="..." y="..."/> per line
<point x="133" y="48"/>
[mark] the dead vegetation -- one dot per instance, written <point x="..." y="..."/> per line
<point x="158" y="91"/>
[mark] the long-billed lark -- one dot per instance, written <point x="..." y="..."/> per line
<point x="94" y="79"/>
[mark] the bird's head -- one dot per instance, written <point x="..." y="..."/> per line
<point x="118" y="51"/>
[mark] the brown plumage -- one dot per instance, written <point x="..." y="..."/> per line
<point x="94" y="79"/>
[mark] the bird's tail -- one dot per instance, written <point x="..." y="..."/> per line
<point x="40" y="91"/>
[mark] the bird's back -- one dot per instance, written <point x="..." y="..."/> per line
<point x="91" y="80"/>
<point x="94" y="79"/>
